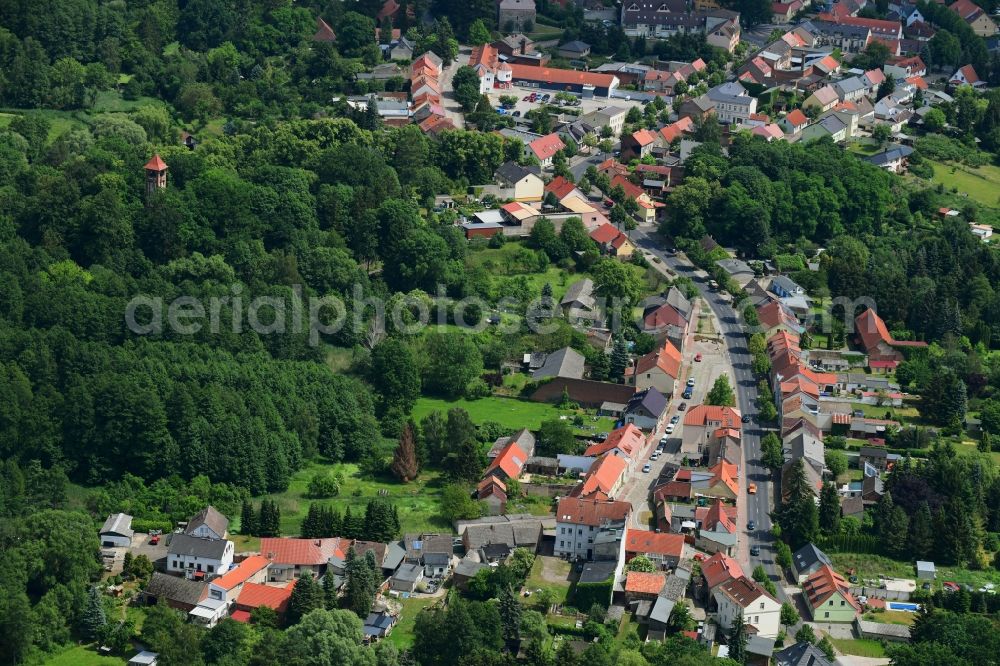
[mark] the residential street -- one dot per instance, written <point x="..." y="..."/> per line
<point x="755" y="507"/>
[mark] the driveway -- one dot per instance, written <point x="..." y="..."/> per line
<point x="452" y="109"/>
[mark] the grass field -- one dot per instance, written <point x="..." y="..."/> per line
<point x="892" y="617"/>
<point x="901" y="414"/>
<point x="402" y="633"/>
<point x="969" y="447"/>
<point x="508" y="412"/>
<point x="982" y="184"/>
<point x="537" y="580"/>
<point x="860" y="647"/>
<point x="417" y="502"/>
<point x="871" y="566"/>
<point x="82" y="655"/>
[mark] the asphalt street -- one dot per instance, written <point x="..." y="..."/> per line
<point x="758" y="506"/>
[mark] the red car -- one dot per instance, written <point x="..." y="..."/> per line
<point x="155" y="539"/>
<point x="697" y="358"/>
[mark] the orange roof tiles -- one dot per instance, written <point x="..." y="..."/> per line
<point x="241" y="572"/>
<point x="665" y="315"/>
<point x="155" y="163"/>
<point x="510" y="460"/>
<point x="484" y="55"/>
<point x="657" y="543"/>
<point x="285" y="550"/>
<point x="775" y="314"/>
<point x="601" y="478"/>
<point x="564" y="76"/>
<point x="703" y="415"/>
<point x="719" y="568"/>
<point x="254" y="595"/>
<point x="590" y="512"/>
<point x="918" y="81"/>
<point x="716" y="517"/>
<point x="324" y="33"/>
<point x="823" y="584"/>
<point x="560" y="187"/>
<point x="675" y="130"/>
<point x="743" y="591"/>
<point x="644" y="137"/>
<point x="632" y="190"/>
<point x="547" y="146"/>
<point x="641" y="582"/>
<point x="667" y="359"/>
<point x="629" y="439"/>
<point x="490" y="481"/>
<point x="727" y="473"/>
<point x="872" y="330"/>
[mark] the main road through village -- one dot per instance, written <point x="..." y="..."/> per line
<point x="757" y="507"/>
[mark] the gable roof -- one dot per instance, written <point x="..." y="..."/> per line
<point x="511" y="460"/>
<point x="211" y="518"/>
<point x="968" y="72"/>
<point x="591" y="512"/>
<point x="873" y="331"/>
<point x="547" y="146"/>
<point x="717" y="517"/>
<point x="823" y="584"/>
<point x="644" y="137"/>
<point x="665" y="315"/>
<point x="720" y="568"/>
<point x="701" y="415"/>
<point x="254" y="595"/>
<point x="284" y="550"/>
<point x="801" y="654"/>
<point x="565" y="362"/>
<point x="601" y="478"/>
<point x="826" y="95"/>
<point x="118" y="523"/>
<point x="742" y="591"/>
<point x="658" y="543"/>
<point x="650" y="400"/>
<point x="186" y="545"/>
<point x="177" y="589"/>
<point x="324" y="33"/>
<point x="726" y="473"/>
<point x="667" y="359"/>
<point x="809" y="557"/>
<point x="560" y="187"/>
<point x="676" y="129"/>
<point x="241" y="572"/>
<point x="629" y="439"/>
<point x="512" y="172"/>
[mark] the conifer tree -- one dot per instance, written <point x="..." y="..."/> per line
<point x="307" y="596"/>
<point x="619" y="359"/>
<point x="248" y="519"/>
<point x="329" y="591"/>
<point x="510" y="614"/>
<point x="738" y="640"/>
<point x="311" y="526"/>
<point x="93" y="619"/>
<point x="404" y="459"/>
<point x="829" y="508"/>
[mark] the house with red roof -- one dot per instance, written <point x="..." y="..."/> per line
<point x="782" y="12"/>
<point x="794" y="122"/>
<point x="675" y="131"/>
<point x="664" y="550"/>
<point x="975" y="16"/>
<point x="578" y="520"/>
<point x="905" y="67"/>
<point x="829" y="597"/>
<point x="640" y="585"/>
<point x="564" y="80"/>
<point x="966" y="76"/>
<point x="647" y="207"/>
<point x="561" y="188"/>
<point x="626" y="442"/>
<point x="493" y="492"/>
<point x="775" y="317"/>
<point x="718" y="569"/>
<point x="717" y="531"/>
<point x="324" y="33"/>
<point x="290" y="558"/>
<point x="544" y="148"/>
<point x="702" y="422"/>
<point x="612" y="241"/>
<point x="509" y="463"/>
<point x="874" y="338"/>
<point x="227" y="586"/>
<point x="255" y="595"/>
<point x="638" y="144"/>
<point x="659" y="369"/>
<point x="603" y="480"/>
<point x="769" y="132"/>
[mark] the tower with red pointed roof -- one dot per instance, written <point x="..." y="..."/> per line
<point x="156" y="174"/>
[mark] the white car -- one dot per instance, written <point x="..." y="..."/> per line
<point x="669" y="429"/>
<point x="646" y="468"/>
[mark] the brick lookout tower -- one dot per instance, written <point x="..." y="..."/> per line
<point x="156" y="175"/>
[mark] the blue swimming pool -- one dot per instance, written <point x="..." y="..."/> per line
<point x="900" y="606"/>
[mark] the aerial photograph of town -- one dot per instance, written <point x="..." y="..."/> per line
<point x="500" y="332"/>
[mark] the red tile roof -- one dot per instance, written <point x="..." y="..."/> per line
<point x="606" y="233"/>
<point x="665" y="315"/>
<point x="632" y="191"/>
<point x="918" y="81"/>
<point x="872" y="330"/>
<point x="641" y="582"/>
<point x="776" y="314"/>
<point x="486" y="56"/>
<point x="675" y="130"/>
<point x="560" y="187"/>
<point x="510" y="460"/>
<point x="727" y="473"/>
<point x="155" y="164"/>
<point x="629" y="439"/>
<point x="667" y="359"/>
<point x="254" y="595"/>
<point x="644" y="137"/>
<point x="823" y="584"/>
<point x="701" y="415"/>
<point x="563" y="76"/>
<point x="601" y="478"/>
<point x="719" y="568"/>
<point x="314" y="552"/>
<point x="324" y="33"/>
<point x="717" y="517"/>
<point x="743" y="591"/>
<point x="241" y="616"/>
<point x="241" y="572"/>
<point x="875" y="76"/>
<point x="489" y="482"/>
<point x="642" y="542"/>
<point x="672" y="489"/>
<point x="547" y="146"/>
<point x="590" y="512"/>
<point x="968" y="72"/>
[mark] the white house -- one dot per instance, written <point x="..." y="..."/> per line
<point x="579" y="520"/>
<point x="208" y="612"/>
<point x="981" y="231"/>
<point x="117" y="531"/>
<point x="192" y="556"/>
<point x="742" y="595"/>
<point x="208" y="523"/>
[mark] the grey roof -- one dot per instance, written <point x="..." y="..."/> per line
<point x="394" y="555"/>
<point x="517" y="533"/>
<point x="873" y="452"/>
<point x="882" y="629"/>
<point x="650" y="400"/>
<point x="852" y="506"/>
<point x="801" y="654"/>
<point x="832" y="124"/>
<point x="734" y="266"/>
<point x="377" y="624"/>
<point x="468" y="567"/>
<point x="409" y="573"/>
<point x="804" y="445"/>
<point x="679" y="302"/>
<point x="703" y="102"/>
<point x="808" y="559"/>
<point x="674" y="587"/>
<point x="730" y="93"/>
<point x="828" y="28"/>
<point x="565" y="362"/>
<point x="872" y="484"/>
<point x="760" y="645"/>
<point x="211" y="518"/>
<point x="581" y="292"/>
<point x="890" y="155"/>
<point x="850" y="85"/>
<point x="176" y="588"/>
<point x="422" y="546"/>
<point x="511" y="172"/>
<point x="923" y="565"/>
<point x="183" y="544"/>
<point x="576" y="46"/>
<point x="118" y="523"/>
<point x="661" y="610"/>
<point x="786" y="283"/>
<point x="597" y="572"/>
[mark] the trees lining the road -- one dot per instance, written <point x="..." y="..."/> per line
<point x="721" y="393"/>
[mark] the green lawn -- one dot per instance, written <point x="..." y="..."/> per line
<point x="417" y="502"/>
<point x="861" y="647"/>
<point x="536" y="581"/>
<point x="509" y="412"/>
<point x="871" y="566"/>
<point x="901" y="414"/>
<point x="981" y="183"/>
<point x="82" y="655"/>
<point x="969" y="447"/>
<point x="892" y="617"/>
<point x="402" y="633"/>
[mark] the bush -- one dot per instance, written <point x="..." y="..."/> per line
<point x="323" y="485"/>
<point x="145" y="525"/>
<point x="477" y="388"/>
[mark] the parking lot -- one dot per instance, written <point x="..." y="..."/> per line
<point x="140" y="546"/>
<point x="586" y="105"/>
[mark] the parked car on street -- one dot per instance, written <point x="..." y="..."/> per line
<point x="755" y="551"/>
<point x="646" y="468"/>
<point x="697" y="358"/>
